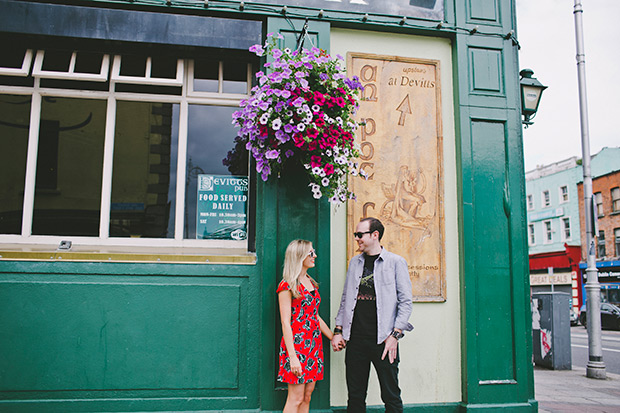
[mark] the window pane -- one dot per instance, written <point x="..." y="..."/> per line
<point x="132" y="65"/>
<point x="164" y="67"/>
<point x="12" y="55"/>
<point x="210" y="137"/>
<point x="235" y="77"/>
<point x="88" y="62"/>
<point x="14" y="121"/>
<point x="69" y="167"/>
<point x="56" y="60"/>
<point x="144" y="172"/>
<point x="206" y="75"/>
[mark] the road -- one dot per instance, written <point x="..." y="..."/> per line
<point x="611" y="348"/>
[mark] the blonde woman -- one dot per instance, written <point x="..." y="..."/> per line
<point x="301" y="349"/>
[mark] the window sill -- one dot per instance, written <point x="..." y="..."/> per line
<point x="119" y="255"/>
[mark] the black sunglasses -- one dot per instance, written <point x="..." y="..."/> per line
<point x="361" y="234"/>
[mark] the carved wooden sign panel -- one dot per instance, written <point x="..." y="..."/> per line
<point x="401" y="145"/>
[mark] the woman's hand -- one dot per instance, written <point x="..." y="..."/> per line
<point x="295" y="366"/>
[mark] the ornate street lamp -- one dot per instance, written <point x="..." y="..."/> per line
<point x="531" y="91"/>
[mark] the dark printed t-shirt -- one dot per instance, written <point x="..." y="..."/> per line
<point x="365" y="316"/>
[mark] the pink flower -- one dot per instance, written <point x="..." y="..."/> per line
<point x="328" y="168"/>
<point x="316" y="161"/>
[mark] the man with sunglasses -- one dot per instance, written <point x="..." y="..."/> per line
<point x="374" y="312"/>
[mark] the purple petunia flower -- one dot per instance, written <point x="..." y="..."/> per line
<point x="258" y="49"/>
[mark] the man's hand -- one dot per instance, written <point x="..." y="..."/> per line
<point x="338" y="342"/>
<point x="391" y="347"/>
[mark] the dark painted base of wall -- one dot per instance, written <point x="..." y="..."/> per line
<point x="531" y="406"/>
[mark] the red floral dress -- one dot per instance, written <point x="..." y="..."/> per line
<point x="306" y="337"/>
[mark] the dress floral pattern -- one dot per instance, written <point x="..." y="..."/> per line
<point x="306" y="338"/>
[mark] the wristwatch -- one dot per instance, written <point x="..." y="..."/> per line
<point x="397" y="334"/>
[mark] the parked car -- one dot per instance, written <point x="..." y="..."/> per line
<point x="610" y="316"/>
<point x="574" y="317"/>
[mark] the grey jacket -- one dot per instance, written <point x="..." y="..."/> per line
<point x="393" y="289"/>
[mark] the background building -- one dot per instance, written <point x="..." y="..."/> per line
<point x="555" y="232"/>
<point x="606" y="190"/>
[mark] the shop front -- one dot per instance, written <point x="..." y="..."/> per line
<point x="139" y="257"/>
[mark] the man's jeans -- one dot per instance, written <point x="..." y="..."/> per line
<point x="360" y="352"/>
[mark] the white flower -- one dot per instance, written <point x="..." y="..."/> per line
<point x="336" y="150"/>
<point x="316" y="108"/>
<point x="316" y="170"/>
<point x="264" y="118"/>
<point x="353" y="172"/>
<point x="300" y="111"/>
<point x="325" y="181"/>
<point x="328" y="152"/>
<point x="317" y="194"/>
<point x="330" y="121"/>
<point x="322" y="173"/>
<point x="339" y="120"/>
<point x="276" y="124"/>
<point x="301" y="127"/>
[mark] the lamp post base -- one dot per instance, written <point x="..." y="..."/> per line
<point x="596" y="370"/>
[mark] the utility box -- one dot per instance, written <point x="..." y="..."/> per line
<point x="551" y="330"/>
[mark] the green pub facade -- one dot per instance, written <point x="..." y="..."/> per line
<point x="138" y="268"/>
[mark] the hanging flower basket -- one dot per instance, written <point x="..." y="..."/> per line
<point x="302" y="110"/>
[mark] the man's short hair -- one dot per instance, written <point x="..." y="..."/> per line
<point x="374" y="225"/>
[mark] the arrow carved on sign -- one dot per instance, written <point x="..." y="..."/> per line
<point x="404" y="108"/>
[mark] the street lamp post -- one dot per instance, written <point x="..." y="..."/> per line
<point x="595" y="367"/>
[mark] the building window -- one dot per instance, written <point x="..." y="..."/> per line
<point x="530" y="202"/>
<point x="598" y="198"/>
<point x="531" y="234"/>
<point x="563" y="194"/>
<point x="617" y="241"/>
<point x="566" y="229"/>
<point x="615" y="199"/>
<point x="546" y="201"/>
<point x="548" y="232"/>
<point x="601" y="253"/>
<point x="120" y="144"/>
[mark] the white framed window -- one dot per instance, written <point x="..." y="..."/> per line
<point x="110" y="154"/>
<point x="600" y="242"/>
<point x="566" y="231"/>
<point x="545" y="199"/>
<point x="598" y="199"/>
<point x="530" y="202"/>
<point x="531" y="234"/>
<point x="65" y="64"/>
<point x="615" y="199"/>
<point x="563" y="195"/>
<point x="617" y="241"/>
<point x="16" y="61"/>
<point x="548" y="229"/>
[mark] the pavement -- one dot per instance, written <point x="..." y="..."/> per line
<point x="569" y="391"/>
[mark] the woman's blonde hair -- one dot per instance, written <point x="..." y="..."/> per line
<point x="296" y="253"/>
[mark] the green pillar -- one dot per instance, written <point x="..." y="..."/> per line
<point x="496" y="319"/>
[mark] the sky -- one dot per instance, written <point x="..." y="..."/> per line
<point x="546" y="33"/>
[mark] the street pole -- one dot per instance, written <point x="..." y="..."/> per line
<point x="596" y="367"/>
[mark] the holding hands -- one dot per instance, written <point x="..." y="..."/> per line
<point x="338" y="343"/>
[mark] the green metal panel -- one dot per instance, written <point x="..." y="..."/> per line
<point x="287" y="211"/>
<point x="120" y="337"/>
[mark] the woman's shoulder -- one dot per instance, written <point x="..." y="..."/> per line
<point x="283" y="286"/>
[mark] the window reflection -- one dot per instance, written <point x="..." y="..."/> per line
<point x="69" y="167"/>
<point x="14" y="122"/>
<point x="144" y="172"/>
<point x="210" y="137"/>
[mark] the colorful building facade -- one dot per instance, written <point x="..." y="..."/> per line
<point x="116" y="116"/>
